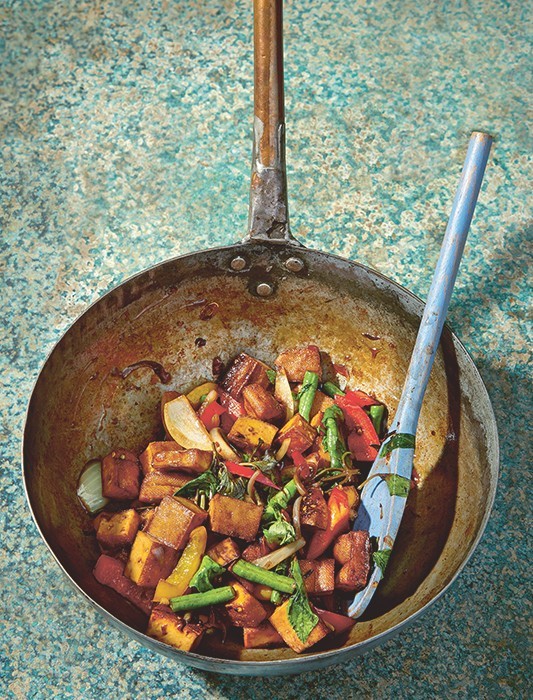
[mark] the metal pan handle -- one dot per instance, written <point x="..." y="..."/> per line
<point x="269" y="211"/>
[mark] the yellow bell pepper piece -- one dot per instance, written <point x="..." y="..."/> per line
<point x="189" y="562"/>
<point x="195" y="396"/>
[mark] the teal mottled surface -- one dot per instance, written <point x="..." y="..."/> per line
<point x="126" y="139"/>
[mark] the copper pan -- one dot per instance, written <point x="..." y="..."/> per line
<point x="260" y="296"/>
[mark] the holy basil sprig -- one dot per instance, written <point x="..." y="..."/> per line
<point x="215" y="480"/>
<point x="276" y="530"/>
<point x="205" y="484"/>
<point x="303" y="620"/>
<point x="203" y="579"/>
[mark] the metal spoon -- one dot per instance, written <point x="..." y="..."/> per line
<point x="385" y="491"/>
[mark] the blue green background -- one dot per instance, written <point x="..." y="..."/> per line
<point x="125" y="131"/>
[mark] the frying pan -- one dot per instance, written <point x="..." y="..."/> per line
<point x="259" y="296"/>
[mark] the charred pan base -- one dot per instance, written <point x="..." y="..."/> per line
<point x="364" y="322"/>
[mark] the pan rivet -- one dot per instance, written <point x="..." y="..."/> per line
<point x="294" y="264"/>
<point x="264" y="289"/>
<point x="238" y="263"/>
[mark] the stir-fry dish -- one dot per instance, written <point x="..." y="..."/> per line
<point x="239" y="522"/>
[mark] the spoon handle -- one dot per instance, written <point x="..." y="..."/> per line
<point x="385" y="491"/>
<point x="438" y="300"/>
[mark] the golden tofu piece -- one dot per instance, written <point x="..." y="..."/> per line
<point x="230" y="516"/>
<point x="298" y="361"/>
<point x="261" y="637"/>
<point x="260" y="403"/>
<point x="300" y="433"/>
<point x="224" y="552"/>
<point x="168" y="455"/>
<point x="156" y="485"/>
<point x="243" y="371"/>
<point x="167" y="627"/>
<point x="251" y="433"/>
<point x="280" y="621"/>
<point x="314" y="511"/>
<point x="244" y="610"/>
<point x="174" y="520"/>
<point x="120" y="475"/>
<point x="318" y="575"/>
<point x="149" y="561"/>
<point x="192" y="461"/>
<point x="119" y="530"/>
<point x="352" y="550"/>
<point x="146" y="458"/>
<point x="320" y="403"/>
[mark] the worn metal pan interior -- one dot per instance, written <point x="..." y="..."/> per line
<point x="80" y="410"/>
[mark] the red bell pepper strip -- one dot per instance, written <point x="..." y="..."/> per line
<point x="360" y="422"/>
<point x="340" y="623"/>
<point x="355" y="398"/>
<point x="208" y="414"/>
<point x="248" y="472"/>
<point x="360" y="448"/>
<point x="339" y="522"/>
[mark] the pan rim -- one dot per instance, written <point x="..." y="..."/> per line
<point x="311" y="660"/>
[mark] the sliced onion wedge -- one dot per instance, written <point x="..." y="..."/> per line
<point x="90" y="487"/>
<point x="269" y="561"/>
<point x="280" y="454"/>
<point x="222" y="446"/>
<point x="283" y="393"/>
<point x="184" y="426"/>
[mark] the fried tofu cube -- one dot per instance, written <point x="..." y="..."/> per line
<point x="256" y="550"/>
<point x="224" y="552"/>
<point x="120" y="475"/>
<point x="146" y="517"/>
<point x="156" y="485"/>
<point x="298" y="361"/>
<point x="260" y="403"/>
<point x="167" y="455"/>
<point x="251" y="434"/>
<point x="300" y="432"/>
<point x="244" y="610"/>
<point x="146" y="458"/>
<point x="235" y="518"/>
<point x="261" y="637"/>
<point x="320" y="403"/>
<point x="149" y="561"/>
<point x="318" y="575"/>
<point x="174" y="520"/>
<point x="244" y="370"/>
<point x="119" y="530"/>
<point x="314" y="509"/>
<point x="281" y="623"/>
<point x="352" y="550"/>
<point x="171" y="629"/>
<point x="192" y="461"/>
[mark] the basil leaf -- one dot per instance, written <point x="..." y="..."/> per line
<point x="230" y="486"/>
<point x="279" y="532"/>
<point x="381" y="558"/>
<point x="206" y="482"/>
<point x="405" y="440"/>
<point x="302" y="619"/>
<point x="271" y="374"/>
<point x="204" y="577"/>
<point x="398" y="485"/>
<point x="332" y="412"/>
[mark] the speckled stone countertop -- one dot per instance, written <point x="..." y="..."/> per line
<point x="126" y="139"/>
